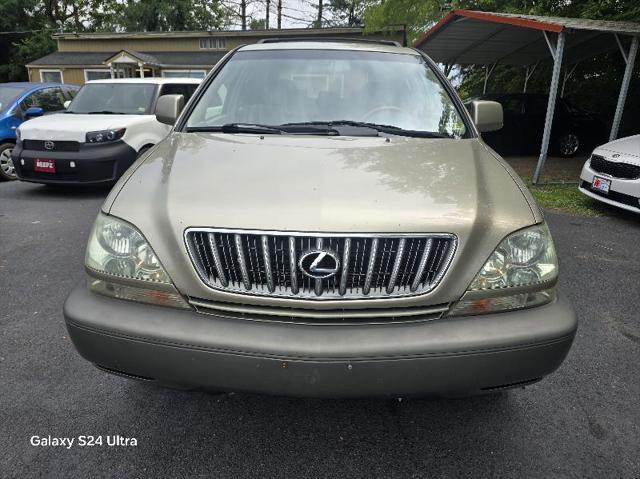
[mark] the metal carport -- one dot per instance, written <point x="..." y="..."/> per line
<point x="467" y="37"/>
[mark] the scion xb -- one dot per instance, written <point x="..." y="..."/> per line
<point x="107" y="126"/>
<point x="323" y="220"/>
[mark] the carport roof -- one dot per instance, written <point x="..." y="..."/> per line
<point x="473" y="37"/>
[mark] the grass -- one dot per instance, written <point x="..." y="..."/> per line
<point x="566" y="197"/>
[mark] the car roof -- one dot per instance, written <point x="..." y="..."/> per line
<point x="32" y="85"/>
<point x="151" y="81"/>
<point x="331" y="45"/>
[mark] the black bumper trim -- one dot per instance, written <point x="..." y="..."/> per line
<point x="95" y="164"/>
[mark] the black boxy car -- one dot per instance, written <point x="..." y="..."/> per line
<point x="524" y="113"/>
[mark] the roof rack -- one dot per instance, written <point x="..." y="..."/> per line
<point x="379" y="41"/>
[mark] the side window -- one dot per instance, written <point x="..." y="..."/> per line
<point x="49" y="99"/>
<point x="179" y="89"/>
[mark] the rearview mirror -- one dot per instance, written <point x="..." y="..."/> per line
<point x="33" y="111"/>
<point x="168" y="108"/>
<point x="487" y="115"/>
<point x="66" y="104"/>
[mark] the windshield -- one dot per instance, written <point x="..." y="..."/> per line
<point x="8" y="94"/>
<point x="280" y="87"/>
<point x="122" y="98"/>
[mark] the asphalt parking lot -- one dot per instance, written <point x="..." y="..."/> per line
<point x="583" y="421"/>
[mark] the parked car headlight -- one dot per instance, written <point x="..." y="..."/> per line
<point x="520" y="273"/>
<point x="104" y="136"/>
<point x="121" y="264"/>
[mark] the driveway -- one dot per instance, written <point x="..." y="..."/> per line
<point x="583" y="421"/>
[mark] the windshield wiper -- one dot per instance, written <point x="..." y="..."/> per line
<point x="102" y="112"/>
<point x="264" y="129"/>
<point x="394" y="130"/>
<point x="238" y="128"/>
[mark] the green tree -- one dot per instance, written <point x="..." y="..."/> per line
<point x="158" y="15"/>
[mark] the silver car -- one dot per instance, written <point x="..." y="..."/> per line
<point x="323" y="220"/>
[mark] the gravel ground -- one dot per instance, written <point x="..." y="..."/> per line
<point x="582" y="421"/>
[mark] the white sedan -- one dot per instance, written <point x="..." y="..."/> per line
<point x="612" y="174"/>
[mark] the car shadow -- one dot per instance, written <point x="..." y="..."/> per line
<point x="65" y="191"/>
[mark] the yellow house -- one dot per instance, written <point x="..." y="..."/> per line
<point x="90" y="56"/>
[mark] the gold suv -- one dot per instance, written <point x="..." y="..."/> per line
<point x="323" y="220"/>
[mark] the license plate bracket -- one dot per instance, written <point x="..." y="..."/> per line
<point x="601" y="184"/>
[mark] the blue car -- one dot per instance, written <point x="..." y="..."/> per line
<point x="21" y="101"/>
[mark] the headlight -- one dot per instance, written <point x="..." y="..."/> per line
<point x="121" y="264"/>
<point x="520" y="273"/>
<point x="104" y="136"/>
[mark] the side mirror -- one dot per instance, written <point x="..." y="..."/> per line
<point x="33" y="111"/>
<point x="168" y="108"/>
<point x="66" y="104"/>
<point x="487" y="115"/>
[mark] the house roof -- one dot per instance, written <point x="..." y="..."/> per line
<point x="217" y="33"/>
<point x="164" y="59"/>
<point x="473" y="37"/>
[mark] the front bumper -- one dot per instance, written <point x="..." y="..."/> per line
<point x="456" y="356"/>
<point x="623" y="193"/>
<point x="94" y="163"/>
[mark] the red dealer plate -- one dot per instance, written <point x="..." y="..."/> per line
<point x="46" y="166"/>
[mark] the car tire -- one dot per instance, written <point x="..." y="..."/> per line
<point x="7" y="170"/>
<point x="568" y="144"/>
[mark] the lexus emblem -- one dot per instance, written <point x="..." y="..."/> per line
<point x="319" y="263"/>
<point x="49" y="145"/>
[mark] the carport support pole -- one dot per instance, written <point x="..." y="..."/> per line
<point x="556" y="53"/>
<point x="630" y="59"/>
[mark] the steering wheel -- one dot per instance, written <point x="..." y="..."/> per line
<point x="378" y="109"/>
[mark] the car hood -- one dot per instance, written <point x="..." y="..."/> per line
<point x="73" y="127"/>
<point x="321" y="184"/>
<point x="629" y="146"/>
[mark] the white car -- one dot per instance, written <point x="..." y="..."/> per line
<point x="107" y="126"/>
<point x="612" y="174"/>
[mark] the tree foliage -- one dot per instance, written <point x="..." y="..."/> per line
<point x="157" y="15"/>
<point x="595" y="83"/>
<point x="30" y="23"/>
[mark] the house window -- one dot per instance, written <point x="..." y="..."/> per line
<point x="212" y="43"/>
<point x="96" y="74"/>
<point x="53" y="76"/>
<point x="184" y="73"/>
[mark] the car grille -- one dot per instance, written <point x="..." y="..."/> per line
<point x="625" y="171"/>
<point x="38" y="145"/>
<point x="370" y="266"/>
<point x="341" y="316"/>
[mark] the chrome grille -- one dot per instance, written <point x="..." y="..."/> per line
<point x="371" y="266"/>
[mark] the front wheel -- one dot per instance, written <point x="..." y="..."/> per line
<point x="568" y="144"/>
<point x="7" y="170"/>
